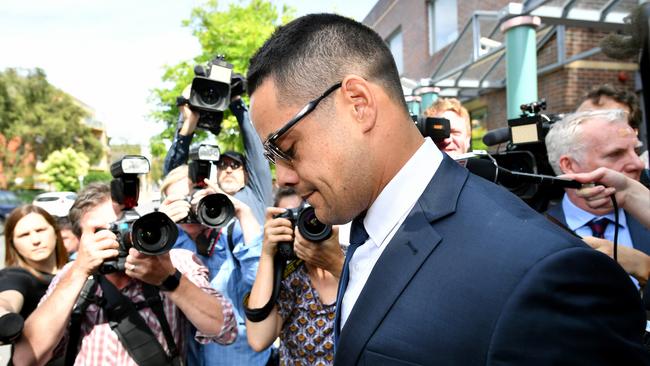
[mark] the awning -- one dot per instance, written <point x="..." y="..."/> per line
<point x="475" y="62"/>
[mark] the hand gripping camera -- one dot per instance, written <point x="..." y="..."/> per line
<point x="304" y="217"/>
<point x="214" y="210"/>
<point x="151" y="234"/>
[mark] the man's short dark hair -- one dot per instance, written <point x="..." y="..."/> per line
<point x="88" y="198"/>
<point x="313" y="52"/>
<point x="620" y="96"/>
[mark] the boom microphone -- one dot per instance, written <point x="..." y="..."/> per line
<point x="489" y="170"/>
<point x="497" y="136"/>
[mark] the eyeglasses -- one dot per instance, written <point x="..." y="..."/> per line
<point x="233" y="164"/>
<point x="271" y="150"/>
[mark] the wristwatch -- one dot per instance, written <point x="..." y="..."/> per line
<point x="171" y="283"/>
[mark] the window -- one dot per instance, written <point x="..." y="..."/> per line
<point x="396" y="48"/>
<point x="443" y="23"/>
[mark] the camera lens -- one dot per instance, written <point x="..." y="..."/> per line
<point x="209" y="96"/>
<point x="154" y="233"/>
<point x="215" y="210"/>
<point x="311" y="228"/>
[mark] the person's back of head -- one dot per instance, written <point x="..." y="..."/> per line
<point x="607" y="97"/>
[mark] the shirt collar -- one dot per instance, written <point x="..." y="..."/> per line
<point x="402" y="192"/>
<point x="576" y="217"/>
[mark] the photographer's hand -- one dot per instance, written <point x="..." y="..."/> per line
<point x="176" y="207"/>
<point x="94" y="249"/>
<point x="276" y="230"/>
<point x="634" y="262"/>
<point x="152" y="269"/>
<point x="202" y="309"/>
<point x="327" y="255"/>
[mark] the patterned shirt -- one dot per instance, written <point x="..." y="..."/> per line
<point x="307" y="336"/>
<point x="101" y="346"/>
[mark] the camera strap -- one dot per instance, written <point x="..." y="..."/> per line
<point x="134" y="334"/>
<point x="86" y="297"/>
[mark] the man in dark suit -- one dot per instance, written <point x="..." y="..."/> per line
<point x="581" y="143"/>
<point x="443" y="267"/>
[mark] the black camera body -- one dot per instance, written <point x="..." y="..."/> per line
<point x="151" y="234"/>
<point x="436" y="128"/>
<point x="526" y="153"/>
<point x="210" y="93"/>
<point x="214" y="210"/>
<point x="304" y="217"/>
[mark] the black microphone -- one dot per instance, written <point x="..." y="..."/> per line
<point x="497" y="136"/>
<point x="489" y="170"/>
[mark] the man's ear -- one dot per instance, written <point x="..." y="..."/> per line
<point x="359" y="101"/>
<point x="568" y="165"/>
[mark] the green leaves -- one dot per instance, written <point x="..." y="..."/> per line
<point x="36" y="119"/>
<point x="236" y="33"/>
<point x="64" y="169"/>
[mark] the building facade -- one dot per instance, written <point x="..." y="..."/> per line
<point x="459" y="47"/>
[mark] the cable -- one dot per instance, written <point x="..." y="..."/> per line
<point x="615" y="204"/>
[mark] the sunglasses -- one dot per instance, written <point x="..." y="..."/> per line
<point x="271" y="150"/>
<point x="223" y="165"/>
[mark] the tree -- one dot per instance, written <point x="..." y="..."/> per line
<point x="236" y="33"/>
<point x="63" y="169"/>
<point x="36" y="119"/>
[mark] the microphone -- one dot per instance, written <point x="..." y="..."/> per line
<point x="497" y="136"/>
<point x="489" y="170"/>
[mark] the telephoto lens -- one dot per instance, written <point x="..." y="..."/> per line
<point x="215" y="210"/>
<point x="154" y="234"/>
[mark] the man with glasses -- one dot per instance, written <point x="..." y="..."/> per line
<point x="443" y="267"/>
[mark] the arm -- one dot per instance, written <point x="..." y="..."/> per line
<point x="208" y="311"/>
<point x="630" y="194"/>
<point x="633" y="261"/>
<point x="262" y="334"/>
<point x="574" y="307"/>
<point x="327" y="255"/>
<point x="53" y="313"/>
<point x="180" y="148"/>
<point x="259" y="172"/>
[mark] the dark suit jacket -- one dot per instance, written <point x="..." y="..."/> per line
<point x="640" y="234"/>
<point x="476" y="277"/>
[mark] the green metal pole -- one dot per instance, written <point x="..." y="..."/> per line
<point x="521" y="62"/>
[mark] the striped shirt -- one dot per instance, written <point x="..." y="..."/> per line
<point x="100" y="345"/>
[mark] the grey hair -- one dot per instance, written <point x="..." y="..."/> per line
<point x="564" y="138"/>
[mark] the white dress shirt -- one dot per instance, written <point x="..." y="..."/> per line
<point x="386" y="215"/>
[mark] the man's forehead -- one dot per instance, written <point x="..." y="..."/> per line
<point x="99" y="215"/>
<point x="266" y="111"/>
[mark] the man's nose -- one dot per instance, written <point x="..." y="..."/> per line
<point x="287" y="176"/>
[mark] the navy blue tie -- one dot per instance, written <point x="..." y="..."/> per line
<point x="358" y="236"/>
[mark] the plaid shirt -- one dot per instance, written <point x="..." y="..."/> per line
<point x="101" y="346"/>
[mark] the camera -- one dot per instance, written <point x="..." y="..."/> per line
<point x="525" y="152"/>
<point x="210" y="93"/>
<point x="214" y="210"/>
<point x="304" y="217"/>
<point x="436" y="128"/>
<point x="151" y="234"/>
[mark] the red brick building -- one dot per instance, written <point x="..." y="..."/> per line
<point x="459" y="46"/>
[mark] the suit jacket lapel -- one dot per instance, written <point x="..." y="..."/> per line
<point x="408" y="249"/>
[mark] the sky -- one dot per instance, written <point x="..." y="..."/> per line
<point x="110" y="54"/>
